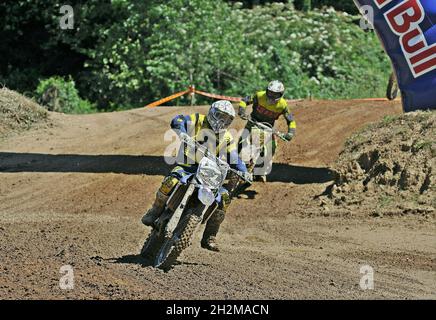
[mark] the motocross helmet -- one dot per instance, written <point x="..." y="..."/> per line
<point x="221" y="115"/>
<point x="275" y="91"/>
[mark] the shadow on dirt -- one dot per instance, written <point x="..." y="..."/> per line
<point x="137" y="259"/>
<point x="131" y="259"/>
<point x="299" y="175"/>
<point x="126" y="164"/>
<point x="246" y="194"/>
<point x="129" y="164"/>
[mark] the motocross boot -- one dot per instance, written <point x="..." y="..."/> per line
<point x="261" y="178"/>
<point x="156" y="210"/>
<point x="212" y="227"/>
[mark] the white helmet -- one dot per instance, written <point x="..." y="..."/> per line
<point x="221" y="115"/>
<point x="275" y="91"/>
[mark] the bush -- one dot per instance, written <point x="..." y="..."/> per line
<point x="60" y="95"/>
<point x="347" y="6"/>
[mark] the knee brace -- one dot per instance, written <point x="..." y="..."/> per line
<point x="168" y="185"/>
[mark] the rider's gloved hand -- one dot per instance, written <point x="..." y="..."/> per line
<point x="184" y="136"/>
<point x="187" y="139"/>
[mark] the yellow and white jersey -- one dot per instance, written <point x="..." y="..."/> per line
<point x="264" y="111"/>
<point x="197" y="126"/>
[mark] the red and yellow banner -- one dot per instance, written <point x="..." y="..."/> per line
<point x="192" y="90"/>
<point x="172" y="97"/>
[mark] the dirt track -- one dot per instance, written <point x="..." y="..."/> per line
<point x="74" y="193"/>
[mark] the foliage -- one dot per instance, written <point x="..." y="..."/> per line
<point x="236" y="51"/>
<point x="125" y="53"/>
<point x="344" y="5"/>
<point x="148" y="55"/>
<point x="320" y="53"/>
<point x="61" y="95"/>
<point x="33" y="46"/>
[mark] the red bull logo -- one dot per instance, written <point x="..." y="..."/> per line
<point x="404" y="20"/>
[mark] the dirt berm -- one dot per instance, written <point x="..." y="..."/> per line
<point x="388" y="168"/>
<point x="18" y="112"/>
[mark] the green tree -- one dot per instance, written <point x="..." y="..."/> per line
<point x="125" y="53"/>
<point x="162" y="47"/>
<point x="60" y="95"/>
<point x="33" y="46"/>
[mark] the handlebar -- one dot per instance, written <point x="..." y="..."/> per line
<point x="266" y="127"/>
<point x="195" y="144"/>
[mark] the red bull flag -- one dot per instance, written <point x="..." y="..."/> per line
<point x="408" y="32"/>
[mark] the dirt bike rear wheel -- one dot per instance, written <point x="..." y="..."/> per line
<point x="181" y="239"/>
<point x="392" y="90"/>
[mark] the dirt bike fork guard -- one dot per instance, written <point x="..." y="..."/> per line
<point x="162" y="196"/>
<point x="156" y="209"/>
<point x="244" y="138"/>
<point x="226" y="199"/>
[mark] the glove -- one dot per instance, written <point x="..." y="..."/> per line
<point x="183" y="135"/>
<point x="185" y="138"/>
<point x="241" y="113"/>
<point x="289" y="136"/>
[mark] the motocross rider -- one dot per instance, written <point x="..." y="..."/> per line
<point x="268" y="106"/>
<point x="211" y="131"/>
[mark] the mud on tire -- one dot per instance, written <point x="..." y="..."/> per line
<point x="151" y="246"/>
<point x="184" y="234"/>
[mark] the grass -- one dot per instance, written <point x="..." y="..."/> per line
<point x="385" y="201"/>
<point x="18" y="112"/>
<point x="387" y="120"/>
<point x="423" y="144"/>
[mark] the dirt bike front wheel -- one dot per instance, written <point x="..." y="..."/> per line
<point x="181" y="239"/>
<point x="151" y="246"/>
